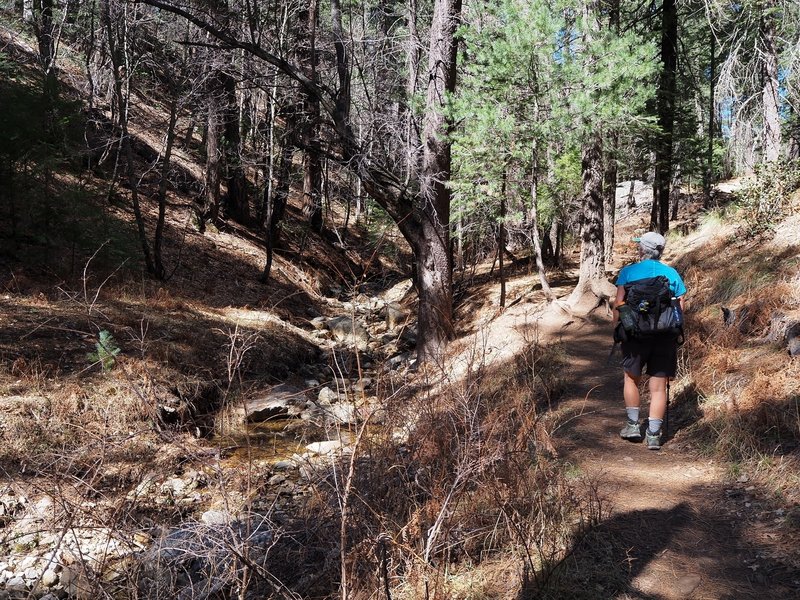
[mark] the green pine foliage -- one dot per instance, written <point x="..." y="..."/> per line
<point x="532" y="90"/>
<point x="106" y="351"/>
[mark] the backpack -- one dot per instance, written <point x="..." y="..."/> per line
<point x="650" y="310"/>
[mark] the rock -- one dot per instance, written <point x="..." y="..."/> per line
<point x="687" y="584"/>
<point x="49" y="578"/>
<point x="318" y="323"/>
<point x="144" y="487"/>
<point x="174" y="486"/>
<point x="349" y="332"/>
<point x="279" y="401"/>
<point x="31" y="574"/>
<point x="361" y="384"/>
<point x="341" y="414"/>
<point x="793" y="339"/>
<point x="16" y="584"/>
<point x="284" y="465"/>
<point x="216" y="517"/>
<point x="324" y="447"/>
<point x="395" y="314"/>
<point x="67" y="577"/>
<point x="397" y="292"/>
<point x="327" y="396"/>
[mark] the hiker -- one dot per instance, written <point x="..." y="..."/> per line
<point x="654" y="351"/>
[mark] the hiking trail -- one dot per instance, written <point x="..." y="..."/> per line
<point x="675" y="525"/>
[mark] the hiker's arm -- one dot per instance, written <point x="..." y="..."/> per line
<point x="617" y="302"/>
<point x="682" y="305"/>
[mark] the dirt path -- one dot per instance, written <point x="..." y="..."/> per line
<point x="675" y="527"/>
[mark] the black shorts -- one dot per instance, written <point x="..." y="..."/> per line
<point x="659" y="354"/>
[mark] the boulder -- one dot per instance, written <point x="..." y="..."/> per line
<point x="327" y="396"/>
<point x="347" y="331"/>
<point x="280" y="401"/>
<point x="341" y="414"/>
<point x="396" y="315"/>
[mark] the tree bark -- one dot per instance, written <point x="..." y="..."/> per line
<point x="708" y="178"/>
<point x="412" y="132"/>
<point x="44" y="29"/>
<point x="432" y="248"/>
<point x="610" y="195"/>
<point x="592" y="267"/>
<point x="121" y="97"/>
<point x="312" y="174"/>
<point x="275" y="204"/>
<point x="160" y="272"/>
<point x="501" y="241"/>
<point x="534" y="225"/>
<point x="236" y="199"/>
<point x="611" y="165"/>
<point x="770" y="92"/>
<point x="209" y="205"/>
<point x="665" y="100"/>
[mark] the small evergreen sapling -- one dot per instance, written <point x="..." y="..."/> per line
<point x="106" y="350"/>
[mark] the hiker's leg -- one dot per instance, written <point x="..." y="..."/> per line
<point x="632" y="430"/>
<point x="630" y="390"/>
<point x="632" y="369"/>
<point x="658" y="397"/>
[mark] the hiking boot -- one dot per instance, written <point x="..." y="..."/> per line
<point x="632" y="431"/>
<point x="653" y="440"/>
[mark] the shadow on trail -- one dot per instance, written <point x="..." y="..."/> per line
<point x="605" y="562"/>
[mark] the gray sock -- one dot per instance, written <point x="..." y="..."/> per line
<point x="633" y="413"/>
<point x="654" y="425"/>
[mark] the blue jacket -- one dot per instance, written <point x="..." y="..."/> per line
<point x="652" y="268"/>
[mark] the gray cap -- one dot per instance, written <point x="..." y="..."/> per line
<point x="652" y="241"/>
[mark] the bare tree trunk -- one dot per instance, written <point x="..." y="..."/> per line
<point x="770" y="93"/>
<point x="534" y="225"/>
<point x="209" y="208"/>
<point x="162" y="188"/>
<point x="659" y="217"/>
<point x="275" y="204"/>
<point x="44" y="28"/>
<point x="501" y="241"/>
<point x="708" y="176"/>
<point x="632" y="194"/>
<point x="412" y="133"/>
<point x="121" y="97"/>
<point x="312" y="175"/>
<point x="592" y="267"/>
<point x="432" y="247"/>
<point x="675" y="193"/>
<point x="611" y="165"/>
<point x="235" y="180"/>
<point x="610" y="195"/>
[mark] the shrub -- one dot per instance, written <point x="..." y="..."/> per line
<point x="766" y="198"/>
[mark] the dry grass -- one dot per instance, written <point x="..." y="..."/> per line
<point x="747" y="380"/>
<point x="465" y="505"/>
